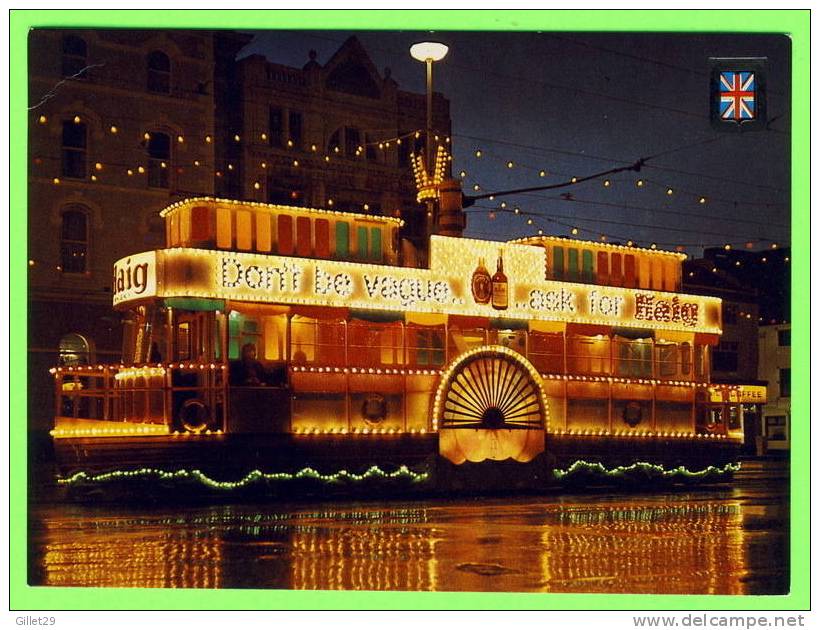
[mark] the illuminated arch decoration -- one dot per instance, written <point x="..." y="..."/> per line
<point x="490" y="405"/>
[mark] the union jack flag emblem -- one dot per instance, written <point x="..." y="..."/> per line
<point x="737" y="96"/>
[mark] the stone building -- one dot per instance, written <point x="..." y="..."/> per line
<point x="336" y="135"/>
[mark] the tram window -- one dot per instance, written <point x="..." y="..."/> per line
<point x="462" y="340"/>
<point x="303" y="339"/>
<point x="184" y="341"/>
<point x="634" y="358"/>
<point x="425" y="345"/>
<point x="588" y="355"/>
<point x="700" y="360"/>
<point x="546" y="351"/>
<point x="685" y="358"/>
<point x="275" y="329"/>
<point x="667" y="358"/>
<point x="74" y="350"/>
<point x="513" y="339"/>
<point x="242" y="330"/>
<point x="217" y="339"/>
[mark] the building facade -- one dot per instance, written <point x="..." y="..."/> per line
<point x="337" y="136"/>
<point x="775" y="368"/>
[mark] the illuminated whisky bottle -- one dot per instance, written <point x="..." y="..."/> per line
<point x="500" y="289"/>
<point x="482" y="284"/>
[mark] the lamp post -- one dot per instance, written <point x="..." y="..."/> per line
<point x="428" y="52"/>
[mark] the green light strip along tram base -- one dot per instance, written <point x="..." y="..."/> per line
<point x="580" y="471"/>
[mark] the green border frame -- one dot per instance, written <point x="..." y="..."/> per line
<point x="795" y="23"/>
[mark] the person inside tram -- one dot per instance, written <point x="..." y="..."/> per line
<point x="248" y="371"/>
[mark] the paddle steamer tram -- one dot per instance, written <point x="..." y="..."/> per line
<point x="539" y="353"/>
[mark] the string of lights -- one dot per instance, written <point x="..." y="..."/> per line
<point x="669" y="189"/>
<point x="646" y="469"/>
<point x="539" y="150"/>
<point x="253" y="477"/>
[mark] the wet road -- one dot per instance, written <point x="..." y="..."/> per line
<point x="727" y="540"/>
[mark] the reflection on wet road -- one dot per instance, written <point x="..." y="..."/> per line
<point x="728" y="541"/>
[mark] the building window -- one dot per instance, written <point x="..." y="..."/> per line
<point x="370" y="149"/>
<point x="159" y="73"/>
<point x="784" y="337"/>
<point x="74" y="350"/>
<point x="284" y="196"/>
<point x="346" y="141"/>
<point x="729" y="313"/>
<point x="74" y="240"/>
<point x="74" y="149"/>
<point x="295" y="129"/>
<point x="74" y="57"/>
<point x="275" y="127"/>
<point x="785" y="382"/>
<point x="404" y="151"/>
<point x="353" y="140"/>
<point x="776" y="428"/>
<point x="159" y="159"/>
<point x="724" y="358"/>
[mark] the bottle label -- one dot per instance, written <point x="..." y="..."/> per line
<point x="481" y="288"/>
<point x="499" y="295"/>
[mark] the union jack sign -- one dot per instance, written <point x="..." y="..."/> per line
<point x="738" y="93"/>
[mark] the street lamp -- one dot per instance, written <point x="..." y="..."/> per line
<point x="428" y="52"/>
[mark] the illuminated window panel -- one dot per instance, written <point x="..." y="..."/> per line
<point x="224" y="230"/>
<point x="644" y="272"/>
<point x="361" y="243"/>
<point x="342" y="240"/>
<point x="244" y="233"/>
<point x="185" y="227"/>
<point x="558" y="263"/>
<point x="587" y="268"/>
<point x="616" y="278"/>
<point x="263" y="232"/>
<point x="629" y="271"/>
<point x="303" y="240"/>
<point x="670" y="275"/>
<point x="200" y="223"/>
<point x="657" y="274"/>
<point x="573" y="274"/>
<point x="175" y="232"/>
<point x="375" y="244"/>
<point x="321" y="229"/>
<point x="603" y="268"/>
<point x="284" y="232"/>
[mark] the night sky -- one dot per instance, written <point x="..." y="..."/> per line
<point x="576" y="104"/>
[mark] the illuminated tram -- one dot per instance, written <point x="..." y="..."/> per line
<point x="274" y="338"/>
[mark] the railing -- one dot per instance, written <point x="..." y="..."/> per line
<point x="154" y="398"/>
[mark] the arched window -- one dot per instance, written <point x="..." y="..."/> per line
<point x="74" y="56"/>
<point x="74" y="148"/>
<point x="159" y="159"/>
<point x="74" y="350"/>
<point x="74" y="240"/>
<point x="159" y="72"/>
